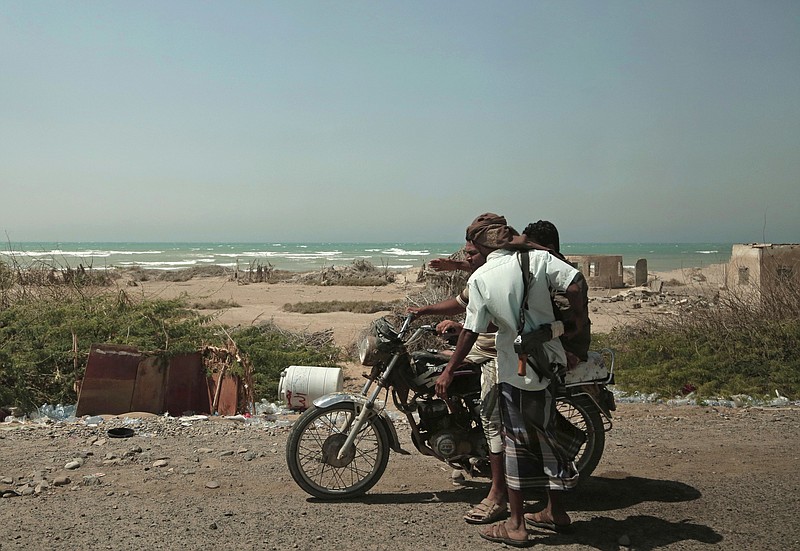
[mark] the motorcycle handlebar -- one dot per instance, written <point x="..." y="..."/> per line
<point x="407" y="325"/>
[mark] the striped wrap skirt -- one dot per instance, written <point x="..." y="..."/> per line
<point x="540" y="448"/>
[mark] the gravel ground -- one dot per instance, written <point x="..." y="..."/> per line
<point x="686" y="477"/>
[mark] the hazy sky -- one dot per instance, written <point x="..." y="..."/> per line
<point x="366" y="121"/>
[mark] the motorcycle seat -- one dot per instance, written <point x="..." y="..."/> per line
<point x="592" y="370"/>
<point x="430" y="357"/>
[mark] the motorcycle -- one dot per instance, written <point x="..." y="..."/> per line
<point x="339" y="448"/>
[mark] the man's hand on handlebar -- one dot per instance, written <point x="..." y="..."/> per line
<point x="449" y="328"/>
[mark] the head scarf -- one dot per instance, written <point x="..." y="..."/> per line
<point x="491" y="231"/>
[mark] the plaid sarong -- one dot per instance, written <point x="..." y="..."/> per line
<point x="540" y="449"/>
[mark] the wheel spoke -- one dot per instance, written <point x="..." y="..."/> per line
<point x="318" y="443"/>
<point x="571" y="414"/>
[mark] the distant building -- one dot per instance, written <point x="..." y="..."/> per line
<point x="600" y="270"/>
<point x="762" y="266"/>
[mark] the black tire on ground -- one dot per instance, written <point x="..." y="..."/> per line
<point x="313" y="445"/>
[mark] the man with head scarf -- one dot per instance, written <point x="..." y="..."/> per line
<point x="533" y="456"/>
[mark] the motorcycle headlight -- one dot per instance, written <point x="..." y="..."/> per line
<point x="368" y="350"/>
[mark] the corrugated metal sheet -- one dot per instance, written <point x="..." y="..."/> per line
<point x="109" y="380"/>
<point x="186" y="389"/>
<point x="148" y="394"/>
<point x="120" y="379"/>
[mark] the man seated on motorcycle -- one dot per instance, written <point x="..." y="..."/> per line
<point x="576" y="345"/>
<point x="494" y="506"/>
<point x="533" y="457"/>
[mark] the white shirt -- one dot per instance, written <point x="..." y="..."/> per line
<point x="495" y="294"/>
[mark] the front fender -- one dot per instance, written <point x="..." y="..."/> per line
<point x="330" y="400"/>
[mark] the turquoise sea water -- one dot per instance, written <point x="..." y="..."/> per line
<point x="312" y="256"/>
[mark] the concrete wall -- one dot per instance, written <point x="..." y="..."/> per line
<point x="600" y="270"/>
<point x="759" y="266"/>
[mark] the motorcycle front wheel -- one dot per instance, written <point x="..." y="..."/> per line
<point x="313" y="447"/>
<point x="582" y="412"/>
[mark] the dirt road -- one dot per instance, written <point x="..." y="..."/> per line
<point x="672" y="478"/>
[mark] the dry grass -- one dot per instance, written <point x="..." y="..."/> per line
<point x="32" y="281"/>
<point x="359" y="273"/>
<point x="219" y="304"/>
<point x="183" y="274"/>
<point x="356" y="306"/>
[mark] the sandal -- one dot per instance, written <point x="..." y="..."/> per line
<point x="486" y="512"/>
<point x="531" y="520"/>
<point x="497" y="533"/>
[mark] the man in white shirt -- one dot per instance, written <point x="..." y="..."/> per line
<point x="533" y="457"/>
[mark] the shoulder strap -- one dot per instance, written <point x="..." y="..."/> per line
<point x="524" y="260"/>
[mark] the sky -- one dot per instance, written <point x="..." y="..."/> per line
<point x="399" y="121"/>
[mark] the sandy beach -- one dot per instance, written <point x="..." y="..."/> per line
<point x="260" y="302"/>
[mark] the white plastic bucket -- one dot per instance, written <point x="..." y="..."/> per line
<point x="300" y="385"/>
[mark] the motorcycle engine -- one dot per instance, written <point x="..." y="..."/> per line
<point x="448" y="437"/>
<point x="451" y="444"/>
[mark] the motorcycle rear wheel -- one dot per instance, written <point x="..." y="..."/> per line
<point x="582" y="412"/>
<point x="313" y="446"/>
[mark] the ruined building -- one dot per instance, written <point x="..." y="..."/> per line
<point x="600" y="270"/>
<point x="763" y="266"/>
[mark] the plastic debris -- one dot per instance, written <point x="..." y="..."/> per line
<point x="93" y="420"/>
<point x="735" y="401"/>
<point x="58" y="412"/>
<point x="265" y="408"/>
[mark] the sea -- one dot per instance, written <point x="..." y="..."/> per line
<point x="302" y="257"/>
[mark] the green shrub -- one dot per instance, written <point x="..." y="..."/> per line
<point x="44" y="342"/>
<point x="742" y="345"/>
<point x="271" y="350"/>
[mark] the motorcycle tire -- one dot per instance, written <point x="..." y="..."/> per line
<point x="582" y="412"/>
<point x="313" y="446"/>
